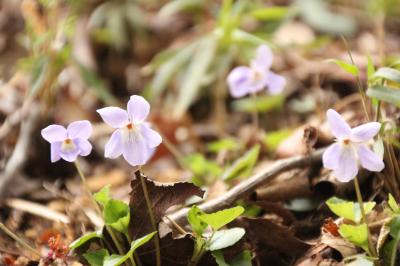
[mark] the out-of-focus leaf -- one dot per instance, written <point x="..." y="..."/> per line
<point x="201" y="167"/>
<point x="272" y="139"/>
<point x="370" y="68"/>
<point x="176" y="6"/>
<point x="393" y="204"/>
<point x="168" y="68"/>
<point x="193" y="77"/>
<point x="223" y="144"/>
<point x="349" y="68"/>
<point x="270" y="13"/>
<point x="316" y="13"/>
<point x="221" y="218"/>
<point x="356" y="234"/>
<point x="96" y="84"/>
<point x="85" y="238"/>
<point x="225" y="238"/>
<point x="261" y="103"/>
<point x="219" y="258"/>
<point x="242" y="166"/>
<point x="242" y="37"/>
<point x="96" y="258"/>
<point x="348" y="209"/>
<point x="385" y="94"/>
<point x="378" y="147"/>
<point x="388" y="73"/>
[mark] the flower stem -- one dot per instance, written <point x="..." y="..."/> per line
<point x="255" y="111"/>
<point x="98" y="210"/>
<point x="151" y="215"/>
<point x="18" y="239"/>
<point x="371" y="249"/>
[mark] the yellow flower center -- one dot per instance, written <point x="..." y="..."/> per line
<point x="67" y="145"/>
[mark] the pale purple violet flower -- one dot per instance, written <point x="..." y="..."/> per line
<point x="245" y="80"/>
<point x="68" y="143"/>
<point x="350" y="149"/>
<point x="133" y="137"/>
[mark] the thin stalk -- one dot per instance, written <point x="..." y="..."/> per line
<point x="359" y="85"/>
<point x="18" y="239"/>
<point x="109" y="230"/>
<point x="371" y="249"/>
<point x="255" y="111"/>
<point x="197" y="254"/>
<point x="151" y="215"/>
<point x="131" y="256"/>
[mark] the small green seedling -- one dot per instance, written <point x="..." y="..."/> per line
<point x="208" y="235"/>
<point x="116" y="216"/>
<point x="354" y="229"/>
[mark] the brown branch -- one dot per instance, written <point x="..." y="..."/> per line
<point x="249" y="185"/>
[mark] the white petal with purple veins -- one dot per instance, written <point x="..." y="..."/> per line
<point x="239" y="81"/>
<point x="340" y="129"/>
<point x="138" y="108"/>
<point x="275" y="83"/>
<point x="369" y="160"/>
<point x="80" y="129"/>
<point x="153" y="139"/>
<point x="136" y="152"/>
<point x="330" y="158"/>
<point x="54" y="133"/>
<point x="263" y="59"/>
<point x="70" y="155"/>
<point x="84" y="146"/>
<point x="114" y="116"/>
<point x="114" y="146"/>
<point x="347" y="167"/>
<point x="55" y="148"/>
<point x="365" y="132"/>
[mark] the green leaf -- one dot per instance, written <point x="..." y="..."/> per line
<point x="96" y="258"/>
<point x="115" y="260"/>
<point x="197" y="225"/>
<point x="195" y="74"/>
<point x="391" y="247"/>
<point x="85" y="238"/>
<point x="358" y="260"/>
<point x="370" y="68"/>
<point x="228" y="144"/>
<point x="356" y="234"/>
<point x="95" y="83"/>
<point x="272" y="139"/>
<point x="103" y="196"/>
<point x="173" y="7"/>
<point x="225" y="238"/>
<point x="169" y="67"/>
<point x="349" y="68"/>
<point x="219" y="258"/>
<point x="270" y="13"/>
<point x="117" y="215"/>
<point x="388" y="74"/>
<point x="385" y="94"/>
<point x="262" y="104"/>
<point x="348" y="209"/>
<point x="393" y="204"/>
<point x="243" y="259"/>
<point x="318" y="15"/>
<point x="242" y="166"/>
<point x="220" y="218"/>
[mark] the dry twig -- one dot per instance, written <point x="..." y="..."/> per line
<point x="249" y="185"/>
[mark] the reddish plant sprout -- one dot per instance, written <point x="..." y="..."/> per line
<point x="331" y="227"/>
<point x="58" y="251"/>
